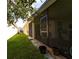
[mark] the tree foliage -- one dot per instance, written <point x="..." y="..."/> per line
<point x="17" y="9"/>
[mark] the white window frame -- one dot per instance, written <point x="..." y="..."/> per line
<point x="44" y="31"/>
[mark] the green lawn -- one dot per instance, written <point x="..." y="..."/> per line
<point x="19" y="47"/>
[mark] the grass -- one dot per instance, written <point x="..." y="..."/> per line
<point x="19" y="47"/>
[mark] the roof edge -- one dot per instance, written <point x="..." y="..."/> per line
<point x="45" y="5"/>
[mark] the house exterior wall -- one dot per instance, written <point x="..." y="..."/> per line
<point x="29" y="27"/>
<point x="37" y="27"/>
<point x="59" y="12"/>
<point x="59" y="16"/>
<point x="26" y="28"/>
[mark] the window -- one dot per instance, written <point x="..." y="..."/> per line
<point x="44" y="27"/>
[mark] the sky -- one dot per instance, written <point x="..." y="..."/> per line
<point x="10" y="31"/>
<point x="38" y="3"/>
<point x="20" y="23"/>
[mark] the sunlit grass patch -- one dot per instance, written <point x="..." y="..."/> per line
<point x="19" y="47"/>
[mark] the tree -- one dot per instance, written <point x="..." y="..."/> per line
<point x="17" y="9"/>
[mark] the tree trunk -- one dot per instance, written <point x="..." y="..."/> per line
<point x="15" y="27"/>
